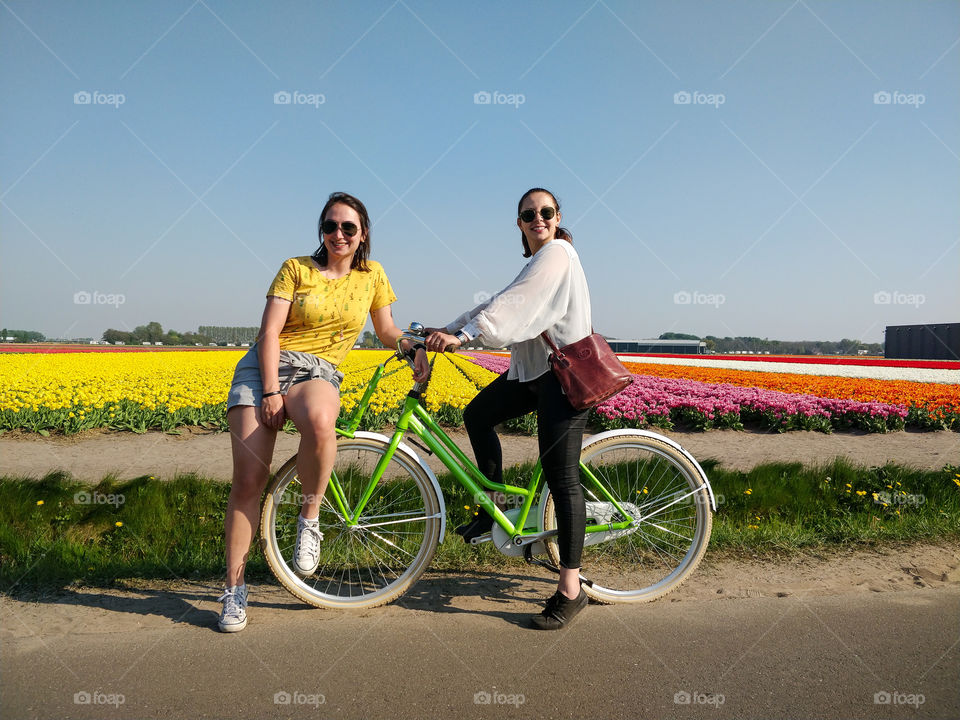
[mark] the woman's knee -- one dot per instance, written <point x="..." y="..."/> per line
<point x="318" y="427"/>
<point x="472" y="417"/>
<point x="248" y="483"/>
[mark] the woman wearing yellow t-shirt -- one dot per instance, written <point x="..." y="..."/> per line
<point x="316" y="307"/>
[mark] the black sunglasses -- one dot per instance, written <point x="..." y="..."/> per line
<point x="329" y="227"/>
<point x="530" y="215"/>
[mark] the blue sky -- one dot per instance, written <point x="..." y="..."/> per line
<point x="787" y="170"/>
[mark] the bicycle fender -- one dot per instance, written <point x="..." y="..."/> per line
<point x="655" y="436"/>
<point x="411" y="453"/>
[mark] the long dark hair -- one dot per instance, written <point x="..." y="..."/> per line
<point x="562" y="233"/>
<point x="359" y="261"/>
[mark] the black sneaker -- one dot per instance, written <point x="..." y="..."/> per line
<point x="481" y="524"/>
<point x="560" y="610"/>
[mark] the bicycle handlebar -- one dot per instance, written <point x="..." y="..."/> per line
<point x="416" y="332"/>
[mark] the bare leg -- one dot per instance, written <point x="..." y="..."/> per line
<point x="313" y="406"/>
<point x="252" y="445"/>
<point x="569" y="583"/>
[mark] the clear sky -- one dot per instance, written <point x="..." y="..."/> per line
<point x="787" y="170"/>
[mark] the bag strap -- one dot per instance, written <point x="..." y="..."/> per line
<point x="548" y="341"/>
<point x="553" y="347"/>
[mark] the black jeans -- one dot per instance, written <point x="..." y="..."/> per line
<point x="560" y="432"/>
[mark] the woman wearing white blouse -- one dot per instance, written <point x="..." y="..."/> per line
<point x="550" y="294"/>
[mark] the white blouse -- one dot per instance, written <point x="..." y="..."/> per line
<point x="550" y="294"/>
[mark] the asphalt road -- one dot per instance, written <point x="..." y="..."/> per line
<point x="457" y="647"/>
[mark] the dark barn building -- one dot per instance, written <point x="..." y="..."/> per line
<point x="933" y="341"/>
<point x="668" y="347"/>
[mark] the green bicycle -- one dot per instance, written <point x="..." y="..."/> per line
<point x="649" y="511"/>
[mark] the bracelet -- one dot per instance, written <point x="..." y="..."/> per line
<point x="271" y="394"/>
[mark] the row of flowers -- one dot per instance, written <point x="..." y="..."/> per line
<point x="141" y="391"/>
<point x="664" y="395"/>
<point x="166" y="390"/>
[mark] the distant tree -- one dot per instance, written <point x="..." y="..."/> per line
<point x="114" y="336"/>
<point x="24" y="335"/>
<point x="151" y="333"/>
<point x="677" y="336"/>
<point x="370" y="340"/>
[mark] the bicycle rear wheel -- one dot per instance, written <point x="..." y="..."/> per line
<point x="366" y="564"/>
<point x="666" y="495"/>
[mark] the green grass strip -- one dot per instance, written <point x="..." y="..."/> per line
<point x="57" y="531"/>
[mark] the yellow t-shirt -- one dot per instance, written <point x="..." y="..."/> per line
<point x="326" y="316"/>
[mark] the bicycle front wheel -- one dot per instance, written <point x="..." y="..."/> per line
<point x="368" y="563"/>
<point x="666" y="496"/>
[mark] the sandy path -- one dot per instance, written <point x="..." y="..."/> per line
<point x="811" y="637"/>
<point x="91" y="455"/>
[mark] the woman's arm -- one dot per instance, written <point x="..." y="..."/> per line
<point x="268" y="351"/>
<point x="532" y="303"/>
<point x="389" y="333"/>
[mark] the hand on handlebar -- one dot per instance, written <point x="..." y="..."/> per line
<point x="421" y="367"/>
<point x="439" y="341"/>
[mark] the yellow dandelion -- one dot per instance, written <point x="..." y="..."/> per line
<point x="118" y="523"/>
<point x="748" y="491"/>
<point x="753" y="527"/>
<point x="39" y="502"/>
<point x="861" y="493"/>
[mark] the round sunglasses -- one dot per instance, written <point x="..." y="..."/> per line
<point x="329" y="227"/>
<point x="547" y="213"/>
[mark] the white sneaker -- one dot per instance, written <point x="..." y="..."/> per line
<point x="233" y="617"/>
<point x="306" y="552"/>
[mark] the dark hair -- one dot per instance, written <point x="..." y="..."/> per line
<point x="562" y="233"/>
<point x="359" y="261"/>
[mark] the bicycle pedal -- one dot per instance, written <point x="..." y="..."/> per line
<point x="486" y="537"/>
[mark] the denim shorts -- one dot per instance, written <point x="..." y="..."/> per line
<point x="295" y="367"/>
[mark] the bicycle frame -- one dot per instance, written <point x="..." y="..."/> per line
<point x="414" y="418"/>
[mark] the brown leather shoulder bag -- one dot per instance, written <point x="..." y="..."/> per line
<point x="588" y="370"/>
